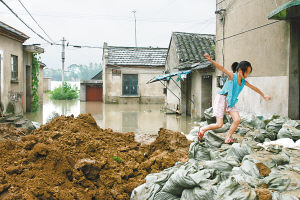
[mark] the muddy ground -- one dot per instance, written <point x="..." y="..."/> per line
<point x="73" y="158"/>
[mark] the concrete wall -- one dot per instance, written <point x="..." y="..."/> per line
<point x="268" y="52"/>
<point x="46" y="84"/>
<point x="172" y="61"/>
<point x="147" y="93"/>
<point x="10" y="47"/>
<point x="41" y="85"/>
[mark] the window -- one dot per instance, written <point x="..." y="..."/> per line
<point x="130" y="84"/>
<point x="14" y="68"/>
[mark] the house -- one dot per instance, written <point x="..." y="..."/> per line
<point x="267" y="34"/>
<point x="126" y="71"/>
<point x="92" y="90"/>
<point x="15" y="73"/>
<point x="190" y="95"/>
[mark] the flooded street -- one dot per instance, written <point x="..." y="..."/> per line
<point x="144" y="120"/>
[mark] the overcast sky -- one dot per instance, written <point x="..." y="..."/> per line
<point x="92" y="22"/>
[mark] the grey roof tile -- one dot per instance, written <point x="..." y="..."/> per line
<point x="139" y="56"/>
<point x="190" y="48"/>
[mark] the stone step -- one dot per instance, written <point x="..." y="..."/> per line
<point x="13" y="118"/>
<point x="20" y="123"/>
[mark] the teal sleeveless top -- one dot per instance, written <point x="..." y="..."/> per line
<point x="232" y="89"/>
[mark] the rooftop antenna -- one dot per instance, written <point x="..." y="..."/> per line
<point x="134" y="11"/>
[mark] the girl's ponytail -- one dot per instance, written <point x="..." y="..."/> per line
<point x="234" y="66"/>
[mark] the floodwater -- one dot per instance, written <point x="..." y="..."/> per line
<point x="144" y="120"/>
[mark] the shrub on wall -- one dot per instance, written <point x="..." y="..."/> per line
<point x="35" y="81"/>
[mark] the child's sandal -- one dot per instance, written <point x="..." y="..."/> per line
<point x="230" y="141"/>
<point x="200" y="134"/>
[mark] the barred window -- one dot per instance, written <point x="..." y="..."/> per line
<point x="14" y="68"/>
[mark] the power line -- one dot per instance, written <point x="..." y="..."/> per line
<point x="24" y="22"/>
<point x="258" y="27"/>
<point x="35" y="21"/>
<point x="220" y="2"/>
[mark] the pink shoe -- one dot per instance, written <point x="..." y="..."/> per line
<point x="200" y="134"/>
<point x="230" y="141"/>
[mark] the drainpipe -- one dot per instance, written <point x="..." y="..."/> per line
<point x="222" y="12"/>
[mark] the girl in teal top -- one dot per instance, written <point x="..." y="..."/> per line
<point x="228" y="96"/>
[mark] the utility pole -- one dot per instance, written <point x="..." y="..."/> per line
<point x="134" y="27"/>
<point x="63" y="62"/>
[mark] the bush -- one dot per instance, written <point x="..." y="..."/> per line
<point x="65" y="92"/>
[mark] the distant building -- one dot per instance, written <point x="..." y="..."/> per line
<point x="267" y="34"/>
<point x="126" y="71"/>
<point x="92" y="90"/>
<point x="190" y="95"/>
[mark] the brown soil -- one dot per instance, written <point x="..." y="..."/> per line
<point x="72" y="158"/>
<point x="8" y="131"/>
<point x="263" y="194"/>
<point x="263" y="169"/>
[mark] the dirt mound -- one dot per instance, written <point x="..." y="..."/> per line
<point x="9" y="132"/>
<point x="263" y="194"/>
<point x="263" y="169"/>
<point x="72" y="158"/>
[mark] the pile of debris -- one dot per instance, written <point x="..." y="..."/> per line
<point x="253" y="168"/>
<point x="73" y="158"/>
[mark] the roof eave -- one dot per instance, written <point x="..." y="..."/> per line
<point x="286" y="11"/>
<point x="33" y="49"/>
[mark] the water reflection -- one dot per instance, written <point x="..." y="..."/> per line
<point x="144" y="120"/>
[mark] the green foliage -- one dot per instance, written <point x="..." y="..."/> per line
<point x="65" y="92"/>
<point x="35" y="81"/>
<point x="74" y="72"/>
<point x="10" y="108"/>
<point x="117" y="159"/>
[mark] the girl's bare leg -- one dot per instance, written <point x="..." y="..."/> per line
<point x="236" y="121"/>
<point x="217" y="125"/>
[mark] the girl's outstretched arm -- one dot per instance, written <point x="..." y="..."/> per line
<point x="219" y="67"/>
<point x="266" y="97"/>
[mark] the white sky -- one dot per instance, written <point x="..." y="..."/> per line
<point x="92" y="22"/>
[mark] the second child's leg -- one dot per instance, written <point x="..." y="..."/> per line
<point x="217" y="125"/>
<point x="236" y="121"/>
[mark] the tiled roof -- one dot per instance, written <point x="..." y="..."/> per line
<point x="140" y="56"/>
<point x="13" y="31"/>
<point x="98" y="76"/>
<point x="190" y="48"/>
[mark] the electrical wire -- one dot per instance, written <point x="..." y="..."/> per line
<point x="35" y="20"/>
<point x="220" y="2"/>
<point x="24" y="22"/>
<point x="258" y="27"/>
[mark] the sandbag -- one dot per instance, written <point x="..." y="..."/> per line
<point x="278" y="196"/>
<point x="232" y="189"/>
<point x="199" y="151"/>
<point x="260" y="135"/>
<point x="237" y="152"/>
<point x="275" y="125"/>
<point x="251" y="121"/>
<point x="213" y="140"/>
<point x="283" y="181"/>
<point x="198" y="193"/>
<point x="289" y="132"/>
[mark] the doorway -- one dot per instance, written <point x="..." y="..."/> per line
<point x="294" y="70"/>
<point x="28" y="88"/>
<point x="206" y="92"/>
